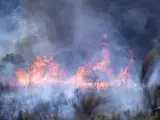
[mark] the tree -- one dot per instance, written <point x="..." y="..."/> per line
<point x="13" y="58"/>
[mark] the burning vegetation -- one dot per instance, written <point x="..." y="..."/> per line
<point x="96" y="78"/>
<point x="47" y="71"/>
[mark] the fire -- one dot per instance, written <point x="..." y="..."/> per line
<point x="23" y="76"/>
<point x="102" y="65"/>
<point x="105" y="36"/>
<point x="37" y="74"/>
<point x="47" y="71"/>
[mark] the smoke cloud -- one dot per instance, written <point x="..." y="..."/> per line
<point x="72" y="31"/>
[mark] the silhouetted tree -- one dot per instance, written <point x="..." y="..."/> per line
<point x="13" y="58"/>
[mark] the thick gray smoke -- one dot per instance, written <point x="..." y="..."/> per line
<point x="8" y="34"/>
<point x="47" y="29"/>
<point x="137" y="21"/>
<point x="73" y="26"/>
<point x="134" y="22"/>
<point x="73" y="31"/>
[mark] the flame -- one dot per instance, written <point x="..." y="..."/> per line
<point x="23" y="76"/>
<point x="105" y="36"/>
<point x="102" y="65"/>
<point x="47" y="71"/>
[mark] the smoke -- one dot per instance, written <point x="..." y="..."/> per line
<point x="8" y="31"/>
<point x="69" y="27"/>
<point x="89" y="30"/>
<point x="64" y="28"/>
<point x="34" y="40"/>
<point x="137" y="21"/>
<point x="72" y="31"/>
<point x="46" y="28"/>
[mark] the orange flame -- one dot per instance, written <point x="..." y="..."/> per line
<point x="44" y="71"/>
<point x="105" y="36"/>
